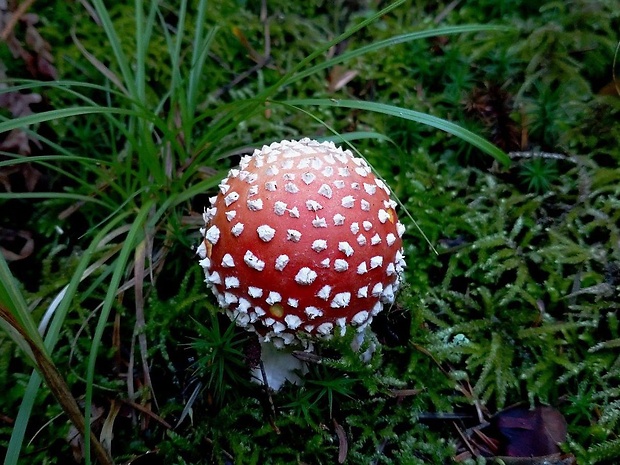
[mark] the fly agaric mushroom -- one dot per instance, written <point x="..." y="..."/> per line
<point x="302" y="240"/>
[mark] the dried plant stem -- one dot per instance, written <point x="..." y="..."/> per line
<point x="57" y="386"/>
<point x="63" y="395"/>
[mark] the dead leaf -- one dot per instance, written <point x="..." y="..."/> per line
<point x="529" y="433"/>
<point x="339" y="77"/>
<point x="107" y="431"/>
<point x="343" y="444"/>
<point x="252" y="53"/>
<point x="17" y="103"/>
<point x="15" y="244"/>
<point x="75" y="439"/>
<point x="16" y="142"/>
<point x="42" y="58"/>
<point x="612" y="89"/>
<point x="36" y="54"/>
<point x="30" y="174"/>
<point x="19" y="141"/>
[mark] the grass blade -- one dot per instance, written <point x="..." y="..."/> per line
<point x="13" y="305"/>
<point x="16" y="319"/>
<point x="356" y="135"/>
<point x="52" y="337"/>
<point x="200" y="49"/>
<point x="22" y="419"/>
<point x="45" y="159"/>
<point x="175" y="51"/>
<point x="120" y="266"/>
<point x="117" y="48"/>
<point x="143" y="38"/>
<point x="410" y="115"/>
<point x="54" y="115"/>
<point x="51" y="195"/>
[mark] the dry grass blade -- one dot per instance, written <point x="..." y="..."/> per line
<point x="139" y="274"/>
<point x="148" y="412"/>
<point x="465" y="440"/>
<point x="343" y="445"/>
<point x="272" y="406"/>
<point x="103" y="69"/>
<point x="190" y="403"/>
<point x="107" y="431"/>
<point x="400" y="393"/>
<point x="12" y="327"/>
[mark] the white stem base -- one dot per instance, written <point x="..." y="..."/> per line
<point x="280" y="366"/>
<point x="358" y="342"/>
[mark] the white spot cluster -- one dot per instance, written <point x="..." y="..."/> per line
<point x="302" y="238"/>
<point x="305" y="276"/>
<point x="281" y="262"/>
<point x="265" y="232"/>
<point x="253" y="261"/>
<point x="319" y="245"/>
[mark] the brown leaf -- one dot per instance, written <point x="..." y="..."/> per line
<point x="107" y="431"/>
<point x="16" y="142"/>
<point x="30" y="174"/>
<point x="37" y="52"/>
<point x="15" y="245"/>
<point x="530" y="433"/>
<point x="42" y="63"/>
<point x="19" y="141"/>
<point x="19" y="104"/>
<point x="46" y="68"/>
<point x="75" y="439"/>
<point x="612" y="88"/>
<point x="252" y="53"/>
<point x="343" y="445"/>
<point x="339" y="77"/>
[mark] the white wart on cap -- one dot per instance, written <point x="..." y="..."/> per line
<point x="302" y="239"/>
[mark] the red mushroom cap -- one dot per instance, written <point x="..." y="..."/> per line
<point x="301" y="239"/>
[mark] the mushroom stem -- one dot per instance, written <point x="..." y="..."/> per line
<point x="280" y="365"/>
<point x="358" y="341"/>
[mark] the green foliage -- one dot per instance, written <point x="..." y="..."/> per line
<point x="524" y="286"/>
<point x="538" y="174"/>
<point x="323" y="385"/>
<point x="220" y="358"/>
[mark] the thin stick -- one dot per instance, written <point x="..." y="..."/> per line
<point x="465" y="440"/>
<point x="271" y="404"/>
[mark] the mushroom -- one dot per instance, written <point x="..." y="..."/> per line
<point x="301" y="241"/>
